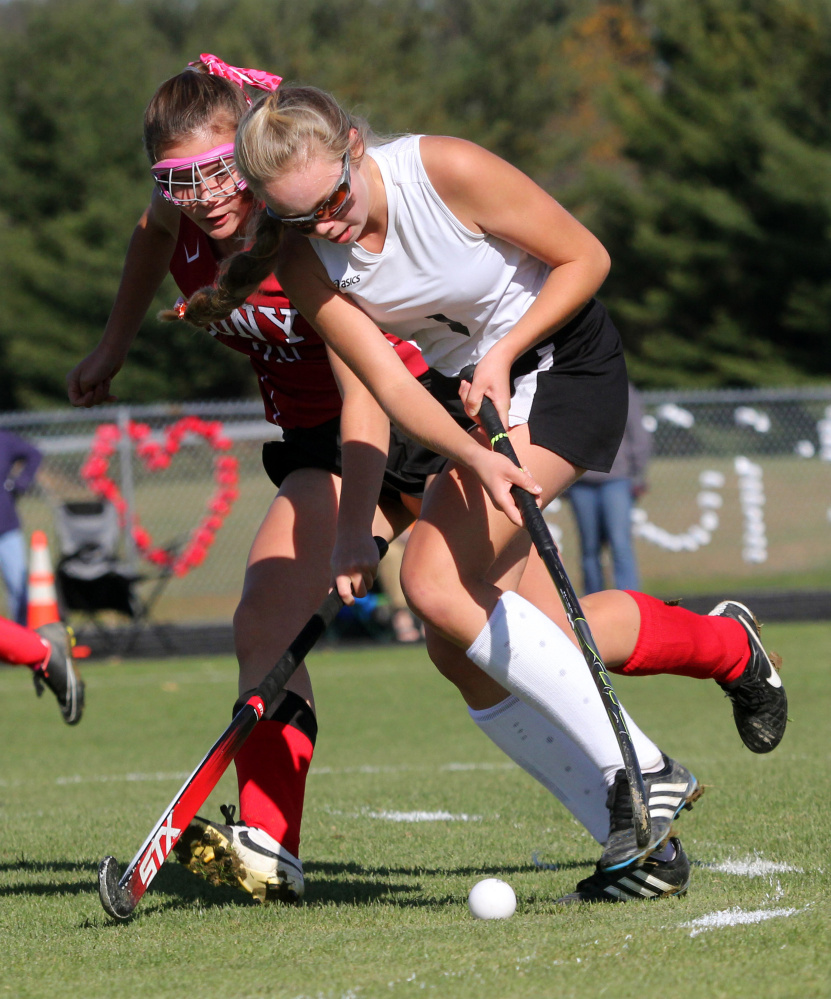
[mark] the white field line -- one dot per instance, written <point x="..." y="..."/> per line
<point x="736" y="917"/>
<point x="132" y="778"/>
<point x="421" y="816"/>
<point x="406" y="768"/>
<point x="198" y="671"/>
<point x="751" y="867"/>
<point x="395" y="816"/>
<point x="121" y="778"/>
<point x="10" y="685"/>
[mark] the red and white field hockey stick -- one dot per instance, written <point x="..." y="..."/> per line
<point x="541" y="536"/>
<point x="119" y="896"/>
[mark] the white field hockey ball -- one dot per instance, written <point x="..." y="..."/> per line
<point x="492" y="899"/>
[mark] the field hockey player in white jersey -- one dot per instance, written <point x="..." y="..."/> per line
<point x="436" y="240"/>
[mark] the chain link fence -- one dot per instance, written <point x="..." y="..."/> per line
<point x="169" y="503"/>
<point x="739" y="492"/>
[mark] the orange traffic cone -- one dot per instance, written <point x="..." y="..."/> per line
<point x="43" y="598"/>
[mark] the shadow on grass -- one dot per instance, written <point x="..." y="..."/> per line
<point x="351" y="884"/>
<point x="184" y="888"/>
<point x="336" y="883"/>
<point x="50" y="887"/>
<point x="41" y="866"/>
<point x="328" y="883"/>
<point x="314" y="868"/>
<point x="184" y="891"/>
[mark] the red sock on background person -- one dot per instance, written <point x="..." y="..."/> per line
<point x="675" y="640"/>
<point x="47" y="652"/>
<point x="21" y="647"/>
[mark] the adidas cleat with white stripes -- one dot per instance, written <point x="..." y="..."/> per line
<point x="647" y="880"/>
<point x="242" y="856"/>
<point x="760" y="706"/>
<point x="668" y="790"/>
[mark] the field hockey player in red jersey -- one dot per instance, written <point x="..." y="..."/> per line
<point x="436" y="240"/>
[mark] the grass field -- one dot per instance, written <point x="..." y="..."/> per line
<point x="385" y="912"/>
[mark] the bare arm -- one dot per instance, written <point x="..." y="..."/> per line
<point x="365" y="436"/>
<point x="352" y="335"/>
<point x="489" y="195"/>
<point x="145" y="267"/>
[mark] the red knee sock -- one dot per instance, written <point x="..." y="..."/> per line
<point x="675" y="640"/>
<point x="271" y="771"/>
<point x="20" y="646"/>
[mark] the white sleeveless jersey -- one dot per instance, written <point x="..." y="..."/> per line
<point x="453" y="291"/>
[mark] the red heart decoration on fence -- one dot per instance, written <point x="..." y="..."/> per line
<point x="157" y="455"/>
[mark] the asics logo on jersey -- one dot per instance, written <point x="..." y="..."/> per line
<point x="190" y="259"/>
<point x="347" y="282"/>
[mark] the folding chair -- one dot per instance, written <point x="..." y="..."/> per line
<point x="90" y="575"/>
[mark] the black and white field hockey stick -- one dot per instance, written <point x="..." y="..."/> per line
<point x="541" y="536"/>
<point x="119" y="896"/>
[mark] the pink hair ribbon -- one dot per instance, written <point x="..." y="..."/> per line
<point x="252" y="77"/>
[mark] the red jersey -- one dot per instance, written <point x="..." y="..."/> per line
<point x="293" y="371"/>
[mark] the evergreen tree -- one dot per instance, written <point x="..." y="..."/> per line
<point x="693" y="138"/>
<point x="76" y="76"/>
<point x="719" y="230"/>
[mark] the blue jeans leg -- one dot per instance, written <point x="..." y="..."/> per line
<point x="585" y="501"/>
<point x="616" y="514"/>
<point x="15" y="575"/>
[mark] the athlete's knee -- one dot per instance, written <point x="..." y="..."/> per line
<point x="429" y="599"/>
<point x="431" y="583"/>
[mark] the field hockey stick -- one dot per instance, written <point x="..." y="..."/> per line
<point x="541" y="537"/>
<point x="119" y="896"/>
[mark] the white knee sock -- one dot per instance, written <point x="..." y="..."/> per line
<point x="528" y="654"/>
<point x="550" y="757"/>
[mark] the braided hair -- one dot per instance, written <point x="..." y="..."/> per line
<point x="283" y="131"/>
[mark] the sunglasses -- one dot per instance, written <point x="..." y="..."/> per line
<point x="199" y="179"/>
<point x="326" y="210"/>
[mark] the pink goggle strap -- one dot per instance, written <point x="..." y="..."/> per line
<point x="236" y="74"/>
<point x="217" y="153"/>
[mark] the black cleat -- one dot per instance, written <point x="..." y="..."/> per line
<point x="59" y="673"/>
<point x="760" y="705"/>
<point x="669" y="790"/>
<point x="649" y="879"/>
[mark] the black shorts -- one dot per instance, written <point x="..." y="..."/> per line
<point x="580" y="403"/>
<point x="408" y="464"/>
